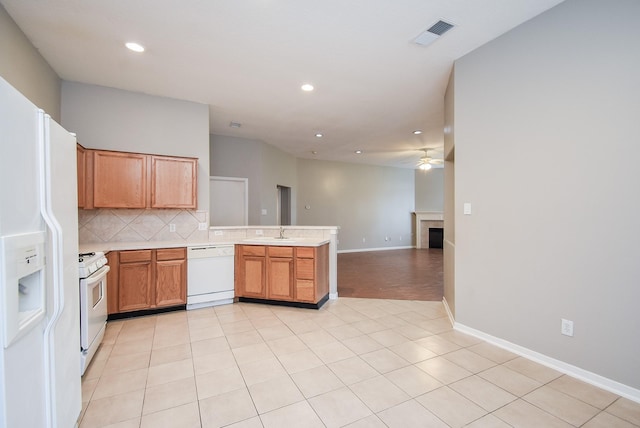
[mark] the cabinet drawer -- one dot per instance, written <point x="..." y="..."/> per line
<point x="305" y="291"/>
<point x="135" y="256"/>
<point x="253" y="250"/>
<point x="171" y="254"/>
<point x="305" y="252"/>
<point x="280" y="251"/>
<point x="304" y="269"/>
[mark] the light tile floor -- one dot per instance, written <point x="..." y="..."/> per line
<point x="354" y="363"/>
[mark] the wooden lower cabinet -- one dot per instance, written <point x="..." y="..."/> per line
<point x="280" y="273"/>
<point x="135" y="277"/>
<point x="171" y="277"/>
<point x="149" y="279"/>
<point x="291" y="274"/>
<point x="312" y="273"/>
<point x="112" y="282"/>
<point x="251" y="271"/>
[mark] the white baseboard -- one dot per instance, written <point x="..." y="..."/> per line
<point x="448" y="309"/>
<point x="566" y="368"/>
<point x="362" y="250"/>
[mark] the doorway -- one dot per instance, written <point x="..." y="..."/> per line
<point x="283" y="215"/>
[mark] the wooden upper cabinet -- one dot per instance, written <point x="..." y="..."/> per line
<point x="111" y="179"/>
<point x="82" y="161"/>
<point x="173" y="182"/>
<point x="119" y="180"/>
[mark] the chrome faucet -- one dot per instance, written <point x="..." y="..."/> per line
<point x="281" y="232"/>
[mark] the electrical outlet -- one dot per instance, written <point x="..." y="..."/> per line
<point x="386" y="238"/>
<point x="264" y="211"/>
<point x="217" y="233"/>
<point x="400" y="238"/>
<point x="259" y="232"/>
<point x="566" y="327"/>
<point x="172" y="227"/>
<point x="202" y="226"/>
<point x="364" y="240"/>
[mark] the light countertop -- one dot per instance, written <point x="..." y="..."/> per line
<point x="147" y="245"/>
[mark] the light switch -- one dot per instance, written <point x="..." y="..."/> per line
<point x="467" y="208"/>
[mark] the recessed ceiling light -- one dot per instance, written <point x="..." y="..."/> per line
<point x="307" y="87"/>
<point x="358" y="152"/>
<point x="417" y="132"/>
<point x="313" y="152"/>
<point x="134" y="46"/>
<point x="319" y="135"/>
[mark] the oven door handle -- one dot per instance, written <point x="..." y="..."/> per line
<point x="98" y="275"/>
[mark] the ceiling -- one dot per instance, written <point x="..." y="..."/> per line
<point x="247" y="59"/>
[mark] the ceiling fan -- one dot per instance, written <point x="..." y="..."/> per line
<point x="430" y="159"/>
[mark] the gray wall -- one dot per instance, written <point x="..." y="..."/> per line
<point x="449" y="245"/>
<point x="365" y="201"/>
<point x="280" y="168"/>
<point x="265" y="166"/>
<point x="113" y="119"/>
<point x="25" y="69"/>
<point x="546" y="132"/>
<point x="239" y="157"/>
<point x="429" y="187"/>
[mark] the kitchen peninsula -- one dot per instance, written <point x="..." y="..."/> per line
<point x="294" y="237"/>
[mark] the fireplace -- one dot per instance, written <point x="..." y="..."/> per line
<point x="436" y="237"/>
<point x="425" y="221"/>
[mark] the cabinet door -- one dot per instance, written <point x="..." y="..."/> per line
<point x="171" y="278"/>
<point x="81" y="160"/>
<point x="253" y="280"/>
<point x="119" y="180"/>
<point x="280" y="278"/>
<point x="173" y="182"/>
<point x="134" y="291"/>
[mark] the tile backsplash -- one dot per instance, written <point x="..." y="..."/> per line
<point x="136" y="225"/>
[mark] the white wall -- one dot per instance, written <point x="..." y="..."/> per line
<point x="546" y="151"/>
<point x="25" y="69"/>
<point x="113" y="119"/>
<point x="429" y="187"/>
<point x="365" y="201"/>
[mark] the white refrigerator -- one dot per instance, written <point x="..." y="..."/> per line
<point x="39" y="288"/>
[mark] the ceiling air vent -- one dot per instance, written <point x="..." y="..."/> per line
<point x="433" y="33"/>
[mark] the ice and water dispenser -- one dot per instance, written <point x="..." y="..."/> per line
<point x="22" y="281"/>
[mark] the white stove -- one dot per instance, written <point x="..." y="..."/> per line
<point x="89" y="263"/>
<point x="93" y="271"/>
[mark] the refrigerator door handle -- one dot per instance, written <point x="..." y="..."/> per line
<point x="56" y="265"/>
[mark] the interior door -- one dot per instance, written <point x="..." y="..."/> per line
<point x="228" y="201"/>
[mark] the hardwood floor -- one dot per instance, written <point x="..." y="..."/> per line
<point x="407" y="274"/>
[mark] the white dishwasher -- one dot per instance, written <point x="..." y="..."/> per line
<point x="209" y="275"/>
